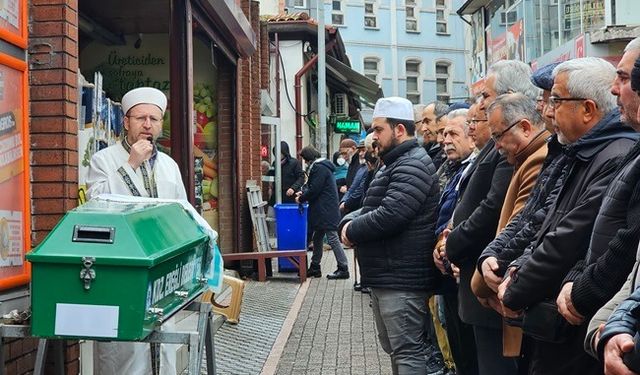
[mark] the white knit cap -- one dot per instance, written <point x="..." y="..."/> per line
<point x="144" y="95"/>
<point x="394" y="107"/>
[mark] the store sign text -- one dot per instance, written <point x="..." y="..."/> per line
<point x="129" y="71"/>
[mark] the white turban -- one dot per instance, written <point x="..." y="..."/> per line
<point x="144" y="95"/>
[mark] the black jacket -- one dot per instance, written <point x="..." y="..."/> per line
<point x="321" y="193"/>
<point x="436" y="153"/>
<point x="475" y="221"/>
<point x="564" y="236"/>
<point x="613" y="247"/>
<point x="395" y="230"/>
<point x="354" y="165"/>
<point x="292" y="175"/>
<point x="522" y="229"/>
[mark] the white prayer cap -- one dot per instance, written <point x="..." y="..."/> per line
<point x="394" y="107"/>
<point x="144" y="95"/>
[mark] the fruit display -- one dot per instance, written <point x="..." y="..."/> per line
<point x="206" y="112"/>
<point x="205" y="139"/>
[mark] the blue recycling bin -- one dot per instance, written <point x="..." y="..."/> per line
<point x="291" y="231"/>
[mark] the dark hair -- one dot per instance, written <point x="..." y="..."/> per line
<point x="635" y="77"/>
<point x="408" y="124"/>
<point x="309" y="153"/>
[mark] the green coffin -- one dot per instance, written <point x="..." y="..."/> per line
<point x="115" y="271"/>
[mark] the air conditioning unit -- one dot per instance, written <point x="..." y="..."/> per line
<point x="340" y="105"/>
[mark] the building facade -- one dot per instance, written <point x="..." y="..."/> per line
<point x="412" y="48"/>
<point x="540" y="32"/>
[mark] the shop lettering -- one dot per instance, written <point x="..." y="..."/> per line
<point x="174" y="280"/>
<point x="115" y="59"/>
<point x="125" y="72"/>
<point x="7" y="123"/>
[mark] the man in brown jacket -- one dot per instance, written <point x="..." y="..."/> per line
<point x="519" y="133"/>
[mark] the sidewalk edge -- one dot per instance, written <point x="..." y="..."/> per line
<point x="271" y="364"/>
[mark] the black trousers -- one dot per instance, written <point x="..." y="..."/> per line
<point x="567" y="358"/>
<point x="461" y="338"/>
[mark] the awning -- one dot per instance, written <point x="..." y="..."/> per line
<point x="342" y="78"/>
<point x="471" y="6"/>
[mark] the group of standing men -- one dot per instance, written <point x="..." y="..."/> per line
<point x="532" y="216"/>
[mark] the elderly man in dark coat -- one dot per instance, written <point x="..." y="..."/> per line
<point x="322" y="194"/>
<point x="589" y="126"/>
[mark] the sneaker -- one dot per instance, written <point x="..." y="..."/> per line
<point x="365" y="290"/>
<point x="314" y="272"/>
<point x="357" y="287"/>
<point x="436" y="366"/>
<point x="338" y="274"/>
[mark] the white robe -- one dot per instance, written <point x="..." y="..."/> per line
<point x="103" y="176"/>
<point x="118" y="358"/>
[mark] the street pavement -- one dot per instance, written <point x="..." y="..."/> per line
<point x="323" y="327"/>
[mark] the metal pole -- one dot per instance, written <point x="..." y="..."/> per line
<point x="322" y="79"/>
<point x="278" y="171"/>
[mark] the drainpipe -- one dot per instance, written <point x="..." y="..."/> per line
<point x="277" y="37"/>
<point x="298" y="88"/>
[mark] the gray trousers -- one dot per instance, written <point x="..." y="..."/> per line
<point x="400" y="318"/>
<point x="336" y="246"/>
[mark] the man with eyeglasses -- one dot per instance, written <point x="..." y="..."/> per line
<point x="475" y="221"/>
<point x="519" y="134"/>
<point x="612" y="253"/>
<point x="511" y="241"/>
<point x="479" y="130"/>
<point x="588" y="124"/>
<point x="134" y="166"/>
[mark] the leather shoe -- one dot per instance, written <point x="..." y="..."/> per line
<point x="314" y="272"/>
<point x="365" y="290"/>
<point x="338" y="274"/>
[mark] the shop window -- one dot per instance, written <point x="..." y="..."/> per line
<point x="412" y="14"/>
<point x="412" y="68"/>
<point x="442" y="81"/>
<point x="370" y="18"/>
<point x="337" y="14"/>
<point x="442" y="26"/>
<point x="371" y="68"/>
<point x="299" y="4"/>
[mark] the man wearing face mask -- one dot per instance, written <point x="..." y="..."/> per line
<point x="352" y="200"/>
<point x="324" y="216"/>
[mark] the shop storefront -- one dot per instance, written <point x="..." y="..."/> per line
<point x="534" y="31"/>
<point x="181" y="49"/>
<point x="14" y="154"/>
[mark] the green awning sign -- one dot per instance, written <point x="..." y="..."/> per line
<point x="347" y="126"/>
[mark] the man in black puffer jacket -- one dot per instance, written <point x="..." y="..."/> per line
<point x="394" y="232"/>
